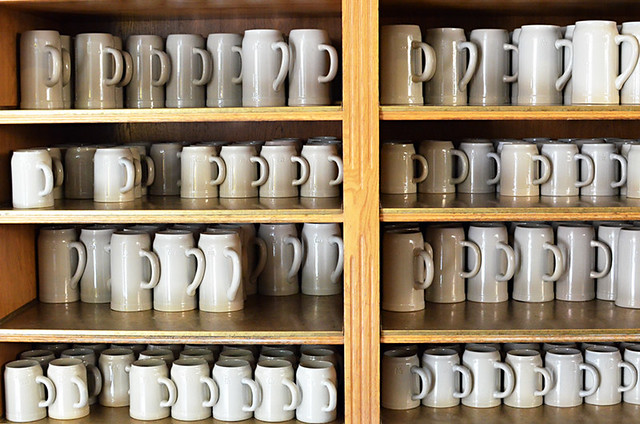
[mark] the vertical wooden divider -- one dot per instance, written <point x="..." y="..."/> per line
<point x="361" y="210"/>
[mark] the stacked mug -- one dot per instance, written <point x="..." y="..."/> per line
<point x="281" y="168"/>
<point x="272" y="383"/>
<point x="519" y="375"/>
<point x="568" y="261"/>
<point x="188" y="71"/>
<point x="184" y="267"/>
<point x="589" y="63"/>
<point x="531" y="167"/>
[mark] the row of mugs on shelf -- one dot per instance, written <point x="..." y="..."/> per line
<point x="185" y="267"/>
<point x="544" y="262"/>
<point x="225" y="70"/>
<point x="544" y="64"/>
<point x="232" y="385"/>
<point x="524" y="376"/>
<point x="514" y="168"/>
<point x="116" y="174"/>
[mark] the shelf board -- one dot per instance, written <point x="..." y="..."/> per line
<point x="163" y="115"/>
<point x="105" y="415"/>
<point x="615" y="414"/>
<point x="508" y="113"/>
<point x="296" y="319"/>
<point x="174" y="209"/>
<point x="512" y="321"/>
<point x="489" y="207"/>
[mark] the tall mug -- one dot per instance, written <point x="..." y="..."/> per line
<point x="630" y="93"/>
<point x="190" y="70"/>
<point x="61" y="262"/>
<point x="532" y="380"/>
<point x="628" y="268"/>
<point x="405" y="384"/>
<point x="166" y="157"/>
<point x="318" y="383"/>
<point x="114" y="175"/>
<point x="565" y="163"/>
<point x="609" y="234"/>
<point x="321" y="272"/>
<point x="32" y="179"/>
<point x="114" y="366"/>
<point x="151" y="69"/>
<point x="401" y="67"/>
<point x="99" y="69"/>
<point x="489" y="86"/>
<point x="265" y="63"/>
<point x="567" y="366"/>
<point x="441" y="156"/>
<point x="484" y="363"/>
<point x="41" y="70"/>
<point x="399" y="164"/>
<point x="608" y="176"/>
<point x="94" y="284"/>
<point x="325" y="170"/>
<point x="442" y="365"/>
<point x="519" y="173"/>
<point x="283" y="161"/>
<point x="225" y="87"/>
<point x="284" y="258"/>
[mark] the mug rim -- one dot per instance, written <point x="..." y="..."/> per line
<point x="524" y="353"/>
<point x="22" y="364"/>
<point x="440" y="352"/>
<point x="564" y="351"/>
<point x="149" y="363"/>
<point x="602" y="349"/>
<point x="190" y="362"/>
<point x="231" y="363"/>
<point x="66" y="362"/>
<point x="274" y="364"/>
<point x="37" y="353"/>
<point x="315" y="365"/>
<point x="117" y="351"/>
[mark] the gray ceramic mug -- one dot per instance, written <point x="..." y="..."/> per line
<point x="191" y="69"/>
<point x="151" y="70"/>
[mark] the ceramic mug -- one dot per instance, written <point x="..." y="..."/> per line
<point x="280" y="395"/>
<point x="61" y="262"/>
<point x="604" y="156"/>
<point x="399" y="164"/>
<point x="99" y="69"/>
<point x="627" y="268"/>
<point x="440" y="158"/>
<point x="566" y="365"/>
<point x="483" y="167"/>
<point x="283" y="162"/>
<point x="58" y="172"/>
<point x="69" y="377"/>
<point x="191" y="69"/>
<point x="149" y="384"/>
<point x="608" y="362"/>
<point x="41" y="356"/>
<point x="41" y="70"/>
<point x="196" y="391"/>
<point x="489" y="86"/>
<point x="94" y="284"/>
<point x="484" y="364"/>
<point x="404" y="383"/>
<point x="633" y="175"/>
<point x="24" y="385"/>
<point x="115" y="365"/>
<point x="225" y="89"/>
<point x="166" y="157"/>
<point x="631" y="355"/>
<point x="519" y="174"/>
<point x="239" y="395"/>
<point x="197" y="179"/>
<point x="630" y="92"/>
<point x="199" y="353"/>
<point x="317" y="381"/>
<point x="114" y="175"/>
<point x="284" y="258"/>
<point x="442" y="366"/>
<point x="32" y="179"/>
<point x="254" y="255"/>
<point x="401" y="67"/>
<point x="89" y="359"/>
<point x="246" y="171"/>
<point x="532" y="380"/>
<point x="323" y="263"/>
<point x="609" y="234"/>
<point x="151" y="70"/>
<point x="566" y="161"/>
<point x="325" y="170"/>
<point x="79" y="170"/>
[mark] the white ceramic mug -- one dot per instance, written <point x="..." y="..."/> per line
<point x="609" y="234"/>
<point x="566" y="365"/>
<point x="565" y="161"/>
<point x="280" y="395"/>
<point x="254" y="255"/>
<point x="283" y="162"/>
<point x="608" y="362"/>
<point x="221" y="289"/>
<point x="313" y="65"/>
<point x="198" y="179"/>
<point x="325" y="171"/>
<point x="632" y="188"/>
<point x="627" y="294"/>
<point x="607" y="179"/>
<point x="115" y="365"/>
<point x="182" y="268"/>
<point x="131" y="259"/>
<point x="196" y="391"/>
<point x="518" y="171"/>
<point x="191" y="69"/>
<point x="225" y="89"/>
<point x="265" y="62"/>
<point x="94" y="377"/>
<point x="94" y="284"/>
<point x="596" y="61"/>
<point x="151" y="391"/>
<point x="484" y="364"/>
<point x="69" y="376"/>
<point x="532" y="380"/>
<point x="114" y="175"/>
<point x="24" y="386"/>
<point x="442" y="366"/>
<point x="61" y="262"/>
<point x="239" y="395"/>
<point x="32" y="179"/>
<point x="284" y="258"/>
<point x="323" y="263"/>
<point x="631" y="354"/>
<point x="58" y="172"/>
<point x="246" y="171"/>
<point x="317" y="382"/>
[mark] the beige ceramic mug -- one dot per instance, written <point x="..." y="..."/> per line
<point x="99" y="69"/>
<point x="401" y="168"/>
<point x="61" y="262"/>
<point x="440" y="156"/>
<point x="404" y="383"/>
<point x="41" y="70"/>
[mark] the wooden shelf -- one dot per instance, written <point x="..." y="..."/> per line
<point x="489" y="207"/>
<point x="164" y="115"/>
<point x="615" y="414"/>
<point x="512" y="321"/>
<point x="173" y="209"/>
<point x="296" y="319"/>
<point x="508" y="113"/>
<point x="104" y="415"/>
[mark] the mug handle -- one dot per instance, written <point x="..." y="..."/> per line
<point x="304" y="170"/>
<point x="546" y="169"/>
<point x="338" y="161"/>
<point x="284" y="65"/>
<point x="623" y="170"/>
<point x="425" y="168"/>
<point x="236" y="273"/>
<point x="173" y="392"/>
<point x="464" y="173"/>
<point x="596" y="379"/>
<point x="82" y="262"/>
<point x="58" y="169"/>
<point x="165" y="68"/>
<point x="467" y="386"/>
<point x="471" y="66"/>
<point x="335" y="275"/>
<point x="511" y="262"/>
<point x="548" y="381"/>
<point x="559" y="262"/>
<point x="590" y="170"/>
<point x="427" y="258"/>
<point x="429" y="62"/>
<point x="82" y="390"/>
<point x="48" y="179"/>
<point x="56" y="65"/>
<point x="213" y="389"/>
<point x="151" y="171"/>
<point x="66" y="67"/>
<point x="514" y="49"/>
<point x="263" y="170"/>
<point x="130" y="179"/>
<point x="509" y="380"/>
<point x="607" y="259"/>
<point x="634" y="376"/>
<point x="295" y="398"/>
<point x="222" y="170"/>
<point x="633" y="43"/>
<point x="128" y="69"/>
<point x="51" y="391"/>
<point x="262" y="261"/>
<point x="476" y="267"/>
<point x="566" y="75"/>
<point x="496" y="158"/>
<point x="97" y="376"/>
<point x="207" y="66"/>
<point x="297" y="256"/>
<point x="333" y="396"/>
<point x="256" y="395"/>
<point x="333" y="63"/>
<point x="200" y="264"/>
<point x="119" y="68"/>
<point x="238" y="79"/>
<point x="424" y="383"/>
<point x="155" y="269"/>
